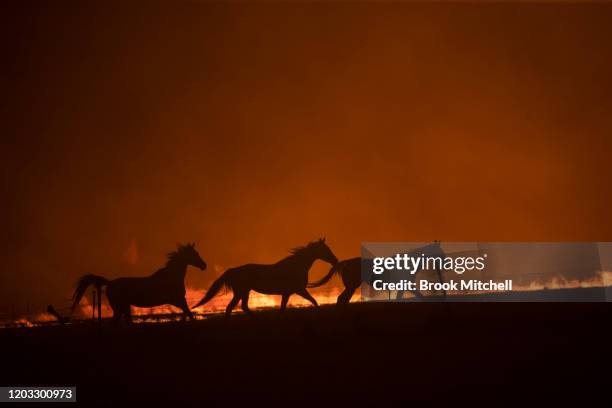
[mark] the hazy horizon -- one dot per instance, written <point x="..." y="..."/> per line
<point x="250" y="129"/>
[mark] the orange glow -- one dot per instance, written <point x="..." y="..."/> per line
<point x="324" y="296"/>
<point x="603" y="278"/>
<point x="250" y="130"/>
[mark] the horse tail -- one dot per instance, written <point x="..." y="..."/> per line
<point x="84" y="283"/>
<point x="214" y="289"/>
<point x="338" y="267"/>
<point x="61" y="319"/>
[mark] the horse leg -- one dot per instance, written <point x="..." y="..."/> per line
<point x="127" y="312"/>
<point x="341" y="301"/>
<point x="345" y="296"/>
<point x="245" y="303"/>
<point x="110" y="295"/>
<point x="284" y="301"/>
<point x="416" y="292"/>
<point x="182" y="304"/>
<point x="439" y="272"/>
<point x="116" y="315"/>
<point x="304" y="293"/>
<point x="117" y="310"/>
<point x="232" y="305"/>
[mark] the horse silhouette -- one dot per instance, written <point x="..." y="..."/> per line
<point x="166" y="286"/>
<point x="61" y="319"/>
<point x="350" y="271"/>
<point x="286" y="277"/>
<point x="432" y="250"/>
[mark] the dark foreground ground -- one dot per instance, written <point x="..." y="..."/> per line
<point x="370" y="354"/>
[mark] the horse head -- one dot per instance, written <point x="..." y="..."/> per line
<point x="188" y="254"/>
<point x="323" y="252"/>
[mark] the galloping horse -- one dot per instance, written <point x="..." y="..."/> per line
<point x="432" y="250"/>
<point x="286" y="277"/>
<point x="166" y="286"/>
<point x="350" y="271"/>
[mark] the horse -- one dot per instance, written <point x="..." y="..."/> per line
<point x="166" y="286"/>
<point x="350" y="271"/>
<point x="431" y="251"/>
<point x="286" y="277"/>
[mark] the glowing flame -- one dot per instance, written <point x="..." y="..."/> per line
<point x="601" y="279"/>
<point x="325" y="295"/>
<point x="217" y="304"/>
<point x="259" y="301"/>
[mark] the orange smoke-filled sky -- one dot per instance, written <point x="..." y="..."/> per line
<point x="253" y="128"/>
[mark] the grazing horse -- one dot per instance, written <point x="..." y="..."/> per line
<point x="286" y="277"/>
<point x="350" y="271"/>
<point x="166" y="286"/>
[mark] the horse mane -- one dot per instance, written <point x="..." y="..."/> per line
<point x="304" y="248"/>
<point x="301" y="250"/>
<point x="430" y="249"/>
<point x="175" y="256"/>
